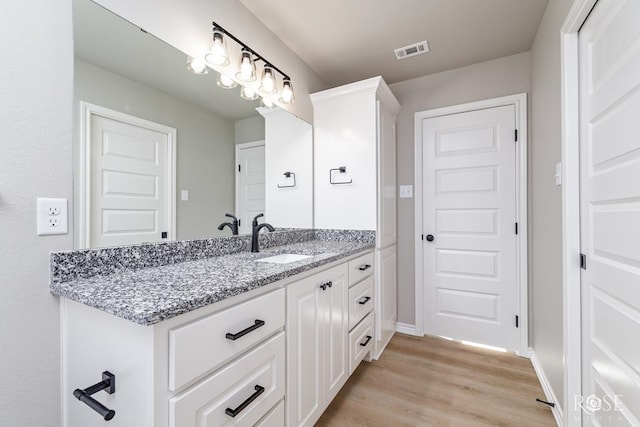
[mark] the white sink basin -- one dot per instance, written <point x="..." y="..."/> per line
<point x="284" y="258"/>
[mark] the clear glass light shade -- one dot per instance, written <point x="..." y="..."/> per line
<point x="196" y="66"/>
<point x="247" y="70"/>
<point x="268" y="81"/>
<point x="225" y="81"/>
<point x="287" y="96"/>
<point x="218" y="54"/>
<point x="266" y="102"/>
<point x="248" y="94"/>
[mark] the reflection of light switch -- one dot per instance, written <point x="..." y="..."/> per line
<point x="406" y="191"/>
<point x="558" y="174"/>
<point x="184" y="195"/>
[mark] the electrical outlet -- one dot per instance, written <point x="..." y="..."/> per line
<point x="52" y="216"/>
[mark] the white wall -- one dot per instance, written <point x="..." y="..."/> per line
<point x="36" y="83"/>
<point x="205" y="144"/>
<point x="187" y="26"/>
<point x="545" y="210"/>
<point x="249" y="130"/>
<point x="491" y="79"/>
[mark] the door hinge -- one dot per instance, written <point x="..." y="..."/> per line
<point x="583" y="261"/>
<point x="516" y="228"/>
<point x="238" y="168"/>
<point x="517" y="321"/>
<point x="516" y="135"/>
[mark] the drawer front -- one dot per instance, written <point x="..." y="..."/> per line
<point x="360" y="301"/>
<point x="275" y="418"/>
<point x="360" y="268"/>
<point x="247" y="388"/>
<point x="207" y="343"/>
<point x="362" y="334"/>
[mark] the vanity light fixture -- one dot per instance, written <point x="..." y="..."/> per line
<point x="197" y="66"/>
<point x="225" y="81"/>
<point x="218" y="55"/>
<point x="266" y="102"/>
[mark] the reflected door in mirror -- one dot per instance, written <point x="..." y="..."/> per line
<point x="250" y="183"/>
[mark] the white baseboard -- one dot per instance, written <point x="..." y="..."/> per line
<point x="405" y="328"/>
<point x="546" y="387"/>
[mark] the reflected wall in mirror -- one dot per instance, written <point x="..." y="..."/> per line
<point x="161" y="152"/>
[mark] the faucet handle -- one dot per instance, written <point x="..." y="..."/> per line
<point x="231" y="216"/>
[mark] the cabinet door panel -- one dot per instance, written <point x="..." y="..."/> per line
<point x="304" y="369"/>
<point x="385" y="297"/>
<point x="386" y="232"/>
<point x="336" y="332"/>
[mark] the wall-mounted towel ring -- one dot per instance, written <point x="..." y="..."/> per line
<point x="341" y="169"/>
<point x="289" y="175"/>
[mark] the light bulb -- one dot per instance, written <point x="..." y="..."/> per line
<point x="247" y="71"/>
<point x="287" y="92"/>
<point x="248" y="93"/>
<point x="268" y="83"/>
<point x="217" y="54"/>
<point x="197" y="66"/>
<point x="225" y="81"/>
<point x="266" y="102"/>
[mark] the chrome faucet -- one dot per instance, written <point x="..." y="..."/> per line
<point x="233" y="226"/>
<point x="255" y="229"/>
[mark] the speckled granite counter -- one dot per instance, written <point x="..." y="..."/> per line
<point x="148" y="295"/>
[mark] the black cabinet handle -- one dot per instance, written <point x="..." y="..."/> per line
<point x="364" y="267"/>
<point x="364" y="300"/>
<point x="364" y="344"/>
<point x="254" y="396"/>
<point x="244" y="332"/>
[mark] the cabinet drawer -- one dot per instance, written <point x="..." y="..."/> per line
<point x="275" y="418"/>
<point x="207" y="343"/>
<point x="360" y="268"/>
<point x="360" y="301"/>
<point x="362" y="334"/>
<point x="249" y="386"/>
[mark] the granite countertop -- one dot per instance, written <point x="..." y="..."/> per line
<point x="151" y="295"/>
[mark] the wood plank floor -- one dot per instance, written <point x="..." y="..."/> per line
<point x="435" y="382"/>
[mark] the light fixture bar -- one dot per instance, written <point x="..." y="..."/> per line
<point x="258" y="57"/>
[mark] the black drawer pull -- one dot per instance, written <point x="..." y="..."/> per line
<point x="364" y="300"/>
<point x="254" y="396"/>
<point x="244" y="332"/>
<point x="364" y="267"/>
<point x="364" y="344"/>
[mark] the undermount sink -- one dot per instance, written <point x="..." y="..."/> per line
<point x="284" y="258"/>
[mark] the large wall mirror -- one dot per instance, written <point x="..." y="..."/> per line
<point x="164" y="153"/>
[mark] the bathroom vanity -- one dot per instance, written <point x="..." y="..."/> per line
<point x="235" y="339"/>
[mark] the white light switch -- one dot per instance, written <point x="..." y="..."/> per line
<point x="184" y="195"/>
<point x="558" y="174"/>
<point x="52" y="216"/>
<point x="406" y="191"/>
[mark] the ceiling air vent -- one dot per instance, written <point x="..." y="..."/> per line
<point x="412" y="50"/>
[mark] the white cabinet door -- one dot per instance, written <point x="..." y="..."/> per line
<point x="386" y="297"/>
<point x="317" y="344"/>
<point x="386" y="232"/>
<point x="304" y="368"/>
<point x="336" y="332"/>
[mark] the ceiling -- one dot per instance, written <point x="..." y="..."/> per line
<point x="110" y="42"/>
<point x="348" y="40"/>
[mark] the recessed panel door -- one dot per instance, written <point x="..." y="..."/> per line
<point x="609" y="54"/>
<point x="251" y="178"/>
<point x="469" y="221"/>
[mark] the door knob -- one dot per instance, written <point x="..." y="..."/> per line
<point x="430" y="237"/>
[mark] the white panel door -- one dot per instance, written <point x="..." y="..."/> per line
<point x="610" y="212"/>
<point x="250" y="187"/>
<point x="336" y="323"/>
<point x="130" y="182"/>
<point x="469" y="196"/>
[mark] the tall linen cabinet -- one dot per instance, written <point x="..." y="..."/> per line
<point x="355" y="180"/>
